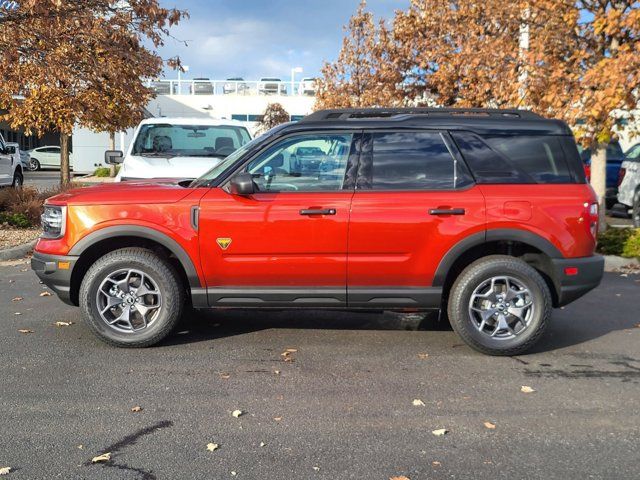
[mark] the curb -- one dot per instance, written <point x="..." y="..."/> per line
<point x="15" y="253"/>
<point x="613" y="263"/>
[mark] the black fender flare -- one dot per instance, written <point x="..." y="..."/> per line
<point x="141" y="232"/>
<point x="504" y="234"/>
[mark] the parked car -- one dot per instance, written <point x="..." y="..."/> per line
<point x="235" y="85"/>
<point x="46" y="157"/>
<point x="178" y="147"/>
<point x="615" y="156"/>
<point x="11" y="172"/>
<point x="19" y="156"/>
<point x="271" y="86"/>
<point x="202" y="86"/>
<point x="163" y="87"/>
<point x="307" y="86"/>
<point x="629" y="190"/>
<point x="484" y="214"/>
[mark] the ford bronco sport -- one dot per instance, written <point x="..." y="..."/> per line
<point x="484" y="215"/>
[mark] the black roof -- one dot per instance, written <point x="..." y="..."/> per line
<point x="480" y="120"/>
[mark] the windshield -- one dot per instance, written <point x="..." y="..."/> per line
<point x="235" y="156"/>
<point x="169" y="141"/>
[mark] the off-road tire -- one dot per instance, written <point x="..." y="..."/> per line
<point x="164" y="275"/>
<point x="480" y="271"/>
<point x="18" y="179"/>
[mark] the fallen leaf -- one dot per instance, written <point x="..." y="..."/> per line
<point x="490" y="426"/>
<point x="262" y="444"/>
<point x="440" y="432"/>
<point x="25" y="330"/>
<point x="277" y="372"/>
<point x="526" y="389"/>
<point x="618" y="294"/>
<point x="105" y="457"/>
<point x="317" y="469"/>
<point x="5" y="470"/>
<point x="225" y="376"/>
<point x="436" y="463"/>
<point x="137" y="408"/>
<point x="80" y="447"/>
<point x="45" y="294"/>
<point x="63" y="324"/>
<point x="17" y="299"/>
<point x="233" y="474"/>
<point x="401" y="477"/>
<point x="418" y="403"/>
<point x="237" y="413"/>
<point x="17" y="313"/>
<point x="277" y="419"/>
<point x="212" y="446"/>
<point x="286" y="355"/>
<point x="423" y="356"/>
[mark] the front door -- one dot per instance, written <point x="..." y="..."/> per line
<point x="288" y="241"/>
<point x="6" y="164"/>
<point x="414" y="200"/>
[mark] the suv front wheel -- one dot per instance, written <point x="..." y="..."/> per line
<point x="500" y="305"/>
<point x="131" y="298"/>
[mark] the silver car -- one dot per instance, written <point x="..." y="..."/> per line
<point x="629" y="189"/>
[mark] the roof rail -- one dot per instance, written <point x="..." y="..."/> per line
<point x="398" y="113"/>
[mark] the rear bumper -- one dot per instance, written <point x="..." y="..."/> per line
<point x="55" y="272"/>
<point x="572" y="287"/>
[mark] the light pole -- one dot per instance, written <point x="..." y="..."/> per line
<point x="293" y="77"/>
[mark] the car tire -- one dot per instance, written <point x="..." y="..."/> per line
<point x="34" y="164"/>
<point x="119" y="276"/>
<point x="495" y="289"/>
<point x="18" y="179"/>
<point x="635" y="210"/>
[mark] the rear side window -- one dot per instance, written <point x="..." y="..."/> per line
<point x="515" y="158"/>
<point x="412" y="161"/>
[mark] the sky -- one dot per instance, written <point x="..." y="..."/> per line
<point x="262" y="38"/>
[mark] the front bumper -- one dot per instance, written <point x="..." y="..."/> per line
<point x="55" y="271"/>
<point x="588" y="276"/>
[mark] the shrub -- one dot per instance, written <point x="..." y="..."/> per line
<point x="15" y="220"/>
<point x="612" y="240"/>
<point x="22" y="204"/>
<point x="102" y="172"/>
<point x="632" y="245"/>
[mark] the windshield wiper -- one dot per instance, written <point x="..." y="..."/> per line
<point x="211" y="154"/>
<point x="155" y="154"/>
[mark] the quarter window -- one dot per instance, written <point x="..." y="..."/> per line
<point x="413" y="161"/>
<point x="303" y="163"/>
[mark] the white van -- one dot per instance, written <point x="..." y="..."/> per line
<point x="178" y="147"/>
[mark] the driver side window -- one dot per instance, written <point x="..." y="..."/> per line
<point x="315" y="162"/>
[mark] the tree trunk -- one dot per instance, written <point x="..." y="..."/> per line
<point x="599" y="178"/>
<point x="65" y="171"/>
<point x="112" y="146"/>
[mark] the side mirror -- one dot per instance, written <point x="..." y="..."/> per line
<point x="242" y="184"/>
<point x="10" y="150"/>
<point x="113" y="157"/>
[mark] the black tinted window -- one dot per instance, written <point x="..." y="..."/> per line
<point x="414" y="161"/>
<point x="515" y="158"/>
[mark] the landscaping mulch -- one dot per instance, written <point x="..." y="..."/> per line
<point x="12" y="237"/>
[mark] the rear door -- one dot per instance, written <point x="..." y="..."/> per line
<point x="414" y="200"/>
<point x="5" y="164"/>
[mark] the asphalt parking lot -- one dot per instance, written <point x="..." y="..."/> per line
<point x="340" y="407"/>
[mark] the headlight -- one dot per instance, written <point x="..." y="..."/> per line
<point x="54" y="220"/>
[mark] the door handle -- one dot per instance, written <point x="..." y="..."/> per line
<point x="447" y="211"/>
<point x="318" y="211"/>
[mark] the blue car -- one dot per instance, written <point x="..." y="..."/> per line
<point x="615" y="157"/>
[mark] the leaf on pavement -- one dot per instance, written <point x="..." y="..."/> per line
<point x="17" y="313"/>
<point x="45" y="294"/>
<point x="286" y="355"/>
<point x="277" y="419"/>
<point x="137" y="408"/>
<point x="237" y="413"/>
<point x="63" y="324"/>
<point x="262" y="444"/>
<point x="401" y="477"/>
<point x="490" y="426"/>
<point x="212" y="446"/>
<point x="105" y="457"/>
<point x="526" y="389"/>
<point x="418" y="403"/>
<point x="25" y="331"/>
<point x="225" y="376"/>
<point x="436" y="463"/>
<point x="440" y="432"/>
<point x="17" y="299"/>
<point x="423" y="356"/>
<point x="5" y="470"/>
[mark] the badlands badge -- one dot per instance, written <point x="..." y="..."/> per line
<point x="224" y="243"/>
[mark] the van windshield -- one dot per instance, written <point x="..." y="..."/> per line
<point x="168" y="141"/>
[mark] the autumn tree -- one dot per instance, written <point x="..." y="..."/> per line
<point x="79" y="62"/>
<point x="274" y="115"/>
<point x="355" y="78"/>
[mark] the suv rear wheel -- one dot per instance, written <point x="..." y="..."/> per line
<point x="131" y="298"/>
<point x="500" y="305"/>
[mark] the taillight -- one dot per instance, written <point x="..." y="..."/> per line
<point x="593" y="218"/>
<point x="621" y="174"/>
<point x="587" y="172"/>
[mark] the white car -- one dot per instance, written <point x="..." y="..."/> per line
<point x="271" y="86"/>
<point x="178" y="147"/>
<point x="307" y="86"/>
<point x="46" y="157"/>
<point x="11" y="173"/>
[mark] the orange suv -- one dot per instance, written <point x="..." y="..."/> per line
<point x="482" y="214"/>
